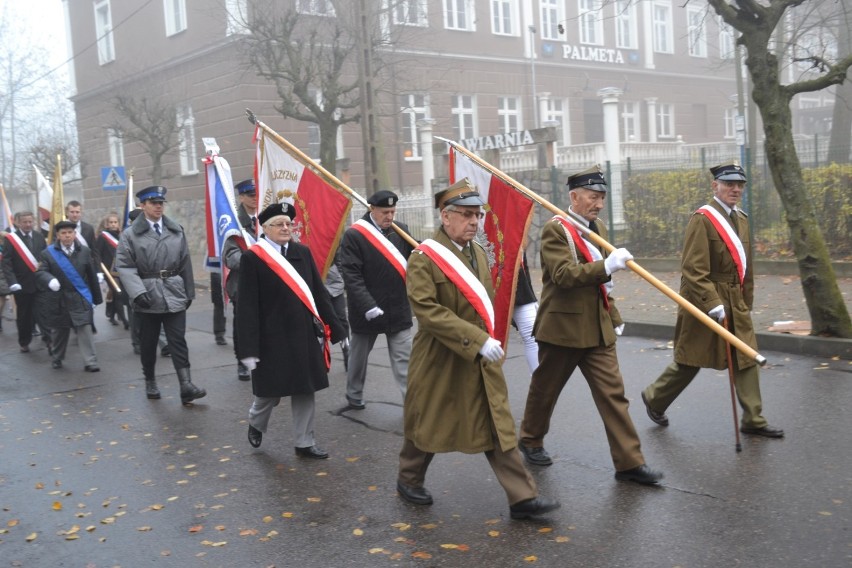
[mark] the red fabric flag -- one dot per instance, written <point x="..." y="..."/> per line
<point x="508" y="214"/>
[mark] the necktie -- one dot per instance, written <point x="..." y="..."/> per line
<point x="157" y="228"/>
<point x="28" y="240"/>
<point x="594" y="227"/>
<point x="284" y="250"/>
<point x="734" y="221"/>
<point x="68" y="251"/>
<point x="254" y="223"/>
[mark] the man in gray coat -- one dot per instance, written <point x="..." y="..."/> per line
<point x="153" y="263"/>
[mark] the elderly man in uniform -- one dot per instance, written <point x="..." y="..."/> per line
<point x="372" y="261"/>
<point x="153" y="263"/>
<point x="285" y="323"/>
<point x="717" y="276"/>
<point x="576" y="326"/>
<point x="457" y="398"/>
<point x="21" y="252"/>
<point x="70" y="264"/>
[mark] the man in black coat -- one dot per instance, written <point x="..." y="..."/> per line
<point x="285" y="322"/>
<point x="73" y="273"/>
<point x="372" y="261"/>
<point x="85" y="231"/>
<point x="20" y="261"/>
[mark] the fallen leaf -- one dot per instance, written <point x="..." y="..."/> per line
<point x="248" y="532"/>
<point x="191" y="437"/>
<point x="421" y="555"/>
<point x="493" y="533"/>
<point x="530" y="558"/>
<point x="157" y="507"/>
<point x="108" y="521"/>
<point x="358" y="532"/>
<point x="90" y="528"/>
<point x="562" y="539"/>
<point x="428" y="526"/>
<point x="267" y="519"/>
<point x="352" y="459"/>
<point x="173" y="498"/>
<point x="371" y="488"/>
<point x="314" y="499"/>
<point x="39" y="485"/>
<point x="825" y="513"/>
<point x="545" y="530"/>
<point x="450" y="546"/>
<point x="143" y="529"/>
<point x="401" y="526"/>
<point x="376" y="550"/>
<point x="321" y="474"/>
<point x="31" y="537"/>
<point x="72" y="537"/>
<point x="12" y="523"/>
<point x="57" y="506"/>
<point x="287" y="515"/>
<point x="492" y="521"/>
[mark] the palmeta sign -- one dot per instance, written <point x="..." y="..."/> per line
<point x="499" y="141"/>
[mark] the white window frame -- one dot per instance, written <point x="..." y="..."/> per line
<point x="174" y="12"/>
<point x="696" y="30"/>
<point x="663" y="34"/>
<point x="631" y="121"/>
<point x="727" y="42"/>
<point x="505" y="18"/>
<point x="556" y="110"/>
<point x="590" y="22"/>
<point x="665" y="120"/>
<point x="411" y="113"/>
<point x="186" y="140"/>
<point x="509" y="115"/>
<point x="626" y="27"/>
<point x="457" y="10"/>
<point x="464" y="109"/>
<point x="115" y="143"/>
<point x="103" y="32"/>
<point x="552" y="13"/>
<point x="316" y="8"/>
<point x="236" y="17"/>
<point x="730" y="123"/>
<point x="410" y="12"/>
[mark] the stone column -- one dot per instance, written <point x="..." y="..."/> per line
<point x="609" y="96"/>
<point x="652" y="118"/>
<point x="424" y="126"/>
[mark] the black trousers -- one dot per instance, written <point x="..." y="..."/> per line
<point x="25" y="308"/>
<point x="174" y="324"/>
<point x="218" y="304"/>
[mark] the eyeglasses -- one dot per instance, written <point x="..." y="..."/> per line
<point x="467" y="214"/>
<point x="280" y="224"/>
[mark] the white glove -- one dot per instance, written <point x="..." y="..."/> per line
<point x="619" y="330"/>
<point x="345" y="343"/>
<point x="15" y="287"/>
<point x="100" y="277"/>
<point x="374" y="313"/>
<point x="250" y="363"/>
<point x="491" y="350"/>
<point x="718" y="312"/>
<point x="53" y="284"/>
<point x="617" y="260"/>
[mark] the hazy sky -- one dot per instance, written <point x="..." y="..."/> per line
<point x="44" y="21"/>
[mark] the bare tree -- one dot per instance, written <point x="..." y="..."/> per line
<point x="757" y="21"/>
<point x="840" y="146"/>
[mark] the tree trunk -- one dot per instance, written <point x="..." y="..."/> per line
<point x="328" y="145"/>
<point x="829" y="316"/>
<point x="841" y="118"/>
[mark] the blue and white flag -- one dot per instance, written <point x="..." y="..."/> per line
<point x="129" y="203"/>
<point x="220" y="210"/>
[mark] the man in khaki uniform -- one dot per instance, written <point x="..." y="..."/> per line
<point x="717" y="277"/>
<point x="457" y="400"/>
<point x="576" y="326"/>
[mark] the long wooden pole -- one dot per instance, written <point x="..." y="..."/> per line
<point x="110" y="279"/>
<point x="598" y="240"/>
<point x="330" y="177"/>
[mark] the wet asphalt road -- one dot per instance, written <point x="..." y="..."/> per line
<point x="92" y="474"/>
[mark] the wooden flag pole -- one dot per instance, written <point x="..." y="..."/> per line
<point x="598" y="240"/>
<point x="110" y="279"/>
<point x="330" y="177"/>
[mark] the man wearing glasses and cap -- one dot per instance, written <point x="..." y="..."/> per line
<point x="717" y="276"/>
<point x="153" y="263"/>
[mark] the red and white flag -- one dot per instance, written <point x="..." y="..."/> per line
<point x="321" y="209"/>
<point x="7" y="220"/>
<point x="508" y="214"/>
<point x="44" y="198"/>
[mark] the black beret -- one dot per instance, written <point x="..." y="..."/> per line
<point x="133" y="214"/>
<point x="64" y="225"/>
<point x="728" y="172"/>
<point x="246" y="186"/>
<point x="155" y="192"/>
<point x="383" y="198"/>
<point x="590" y="179"/>
<point x="276" y="209"/>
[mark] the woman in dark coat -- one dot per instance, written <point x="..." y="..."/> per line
<point x="280" y="337"/>
<point x="106" y="241"/>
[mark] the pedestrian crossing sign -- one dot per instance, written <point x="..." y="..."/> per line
<point x="113" y="178"/>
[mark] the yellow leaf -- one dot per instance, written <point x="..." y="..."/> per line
<point x="267" y="519"/>
<point x="371" y="488"/>
<point x="825" y="513"/>
<point x="143" y="529"/>
<point x="220" y="527"/>
<point x="449" y="546"/>
<point x="108" y="521"/>
<point x="248" y="532"/>
<point x="222" y="543"/>
<point x="12" y="523"/>
<point x="545" y="530"/>
<point x="73" y="530"/>
<point x="190" y="466"/>
<point x="562" y="539"/>
<point x="321" y="474"/>
<point x="191" y="437"/>
<point x="57" y="506"/>
<point x="530" y="558"/>
<point x="357" y="532"/>
<point x="428" y="526"/>
<point x="314" y="499"/>
<point x="421" y="555"/>
<point x="31" y="537"/>
<point x="271" y="533"/>
<point x="352" y="459"/>
<point x="287" y="515"/>
<point x="401" y="526"/>
<point x="493" y="533"/>
<point x="90" y="528"/>
<point x="492" y="521"/>
<point x="72" y="537"/>
<point x="157" y="507"/>
<point x="376" y="550"/>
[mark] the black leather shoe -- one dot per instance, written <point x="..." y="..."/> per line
<point x="57" y="364"/>
<point x="313" y="452"/>
<point x="243" y="373"/>
<point x="137" y="350"/>
<point x="658" y="417"/>
<point x="533" y="507"/>
<point x="25" y="348"/>
<point x="356" y="404"/>
<point x="535" y="456"/>
<point x="255" y="436"/>
<point x="642" y="474"/>
<point x="414" y="495"/>
<point x="92" y="369"/>
<point x="221" y="341"/>
<point x="767" y="431"/>
<point x="165" y="351"/>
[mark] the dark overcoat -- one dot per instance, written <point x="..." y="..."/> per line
<point x="15" y="270"/>
<point x="74" y="309"/>
<point x="275" y="326"/>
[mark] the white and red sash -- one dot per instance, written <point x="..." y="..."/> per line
<point x="107" y="236"/>
<point x="730" y="238"/>
<point x="382" y="244"/>
<point x="22" y="250"/>
<point x="460" y="275"/>
<point x="81" y="239"/>
<point x="580" y="245"/>
<point x="284" y="270"/>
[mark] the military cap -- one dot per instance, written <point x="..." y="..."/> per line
<point x="383" y="198"/>
<point x="462" y="193"/>
<point x="154" y="193"/>
<point x="64" y="225"/>
<point x="590" y="179"/>
<point x="276" y="209"/>
<point x="728" y="172"/>
<point x="246" y="186"/>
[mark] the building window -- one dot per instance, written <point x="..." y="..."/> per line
<point x="552" y="14"/>
<point x="730" y="122"/>
<point x="464" y="117"/>
<point x="315" y="7"/>
<point x="509" y="114"/>
<point x="504" y="17"/>
<point x="458" y="15"/>
<point x="662" y="20"/>
<point x="696" y="34"/>
<point x="186" y="136"/>
<point x="591" y="23"/>
<point x="409" y="12"/>
<point x="630" y="121"/>
<point x="116" y="147"/>
<point x="554" y="111"/>
<point x="413" y="107"/>
<point x="625" y="25"/>
<point x="236" y="17"/>
<point x="726" y="40"/>
<point x="175" y="12"/>
<point x="665" y="120"/>
<point x="103" y="31"/>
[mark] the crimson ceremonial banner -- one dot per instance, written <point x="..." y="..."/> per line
<point x="321" y="209"/>
<point x="508" y="214"/>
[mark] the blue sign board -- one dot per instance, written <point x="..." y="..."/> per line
<point x="113" y="178"/>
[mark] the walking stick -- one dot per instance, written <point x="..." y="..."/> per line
<point x="729" y="337"/>
<point x="739" y="446"/>
<point x="110" y="279"/>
